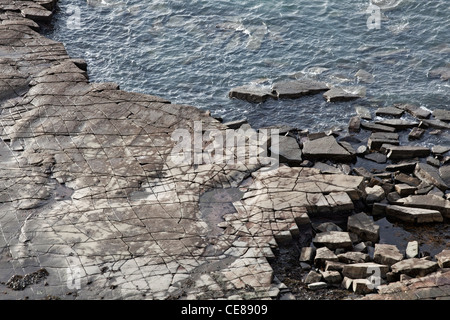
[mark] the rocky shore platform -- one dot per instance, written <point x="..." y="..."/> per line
<point x="92" y="206"/>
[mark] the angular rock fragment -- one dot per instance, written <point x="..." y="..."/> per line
<point x="364" y="76"/>
<point x="435" y="123"/>
<point x="364" y="270"/>
<point x="363" y="225"/>
<point x="376" y="157"/>
<point x="415" y="111"/>
<point x="332" y="277"/>
<point x="353" y="257"/>
<point x="363" y="112"/>
<point x="443" y="259"/>
<point x="333" y="240"/>
<point x="416" y="133"/>
<point x="377" y="139"/>
<point x="404" y="189"/>
<point x="362" y="286"/>
<point x="430" y="175"/>
<point x="387" y="254"/>
<point x="412" y="250"/>
<point x="415" y="267"/>
<point x="326" y="148"/>
<point x="289" y="151"/>
<point x="307" y="254"/>
<point x="354" y="125"/>
<point x="312" y="277"/>
<point x="374" y="194"/>
<point x="323" y="255"/>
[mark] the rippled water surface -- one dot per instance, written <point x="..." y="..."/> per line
<point x="194" y="52"/>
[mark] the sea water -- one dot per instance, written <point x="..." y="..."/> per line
<point x="194" y="52"/>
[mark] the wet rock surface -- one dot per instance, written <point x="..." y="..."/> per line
<point x="94" y="206"/>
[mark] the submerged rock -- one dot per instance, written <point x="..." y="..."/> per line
<point x="251" y="93"/>
<point x="344" y="94"/>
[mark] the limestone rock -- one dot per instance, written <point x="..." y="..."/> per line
<point x="323" y="255"/>
<point x="412" y="250"/>
<point x="415" y="111"/>
<point x="377" y="139"/>
<point x="443" y="259"/>
<point x="413" y="215"/>
<point x="431" y="202"/>
<point x="313" y="277"/>
<point x="406" y="152"/>
<point x="404" y="189"/>
<point x="364" y="270"/>
<point x="333" y="240"/>
<point x="398" y="124"/>
<point x="362" y="286"/>
<point x="363" y="225"/>
<point x="430" y="175"/>
<point x="332" y="277"/>
<point x="387" y="254"/>
<point x="307" y="254"/>
<point x="442" y="114"/>
<point x="251" y="93"/>
<point x="415" y="267"/>
<point x="289" y="151"/>
<point x="389" y="111"/>
<point x="344" y="94"/>
<point x="375" y="194"/>
<point x="298" y="88"/>
<point x="326" y="148"/>
<point x="374" y="127"/>
<point x="353" y="257"/>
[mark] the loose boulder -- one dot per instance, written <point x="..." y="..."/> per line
<point x="415" y="267"/>
<point x="364" y="226"/>
<point x="387" y="254"/>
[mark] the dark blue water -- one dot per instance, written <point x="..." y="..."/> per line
<point x="194" y="52"/>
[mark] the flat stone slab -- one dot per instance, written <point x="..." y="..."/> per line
<point x="431" y="202"/>
<point x="364" y="226"/>
<point x="326" y="148"/>
<point x="435" y="123"/>
<point x="398" y="124"/>
<point x="442" y="114"/>
<point x="406" y="152"/>
<point x="415" y="111"/>
<point x="353" y="257"/>
<point x="298" y="88"/>
<point x="432" y="286"/>
<point x="415" y="267"/>
<point x="377" y="139"/>
<point x="343" y="94"/>
<point x="333" y="240"/>
<point x="324" y="255"/>
<point x="376" y="127"/>
<point x="414" y="215"/>
<point x="389" y="111"/>
<point x="289" y="151"/>
<point x="251" y="93"/>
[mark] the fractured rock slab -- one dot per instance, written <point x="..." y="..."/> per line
<point x="428" y="201"/>
<point x="430" y="175"/>
<point x="363" y="225"/>
<point x="251" y="93"/>
<point x="415" y="267"/>
<point x="406" y="152"/>
<point x="333" y="240"/>
<point x="343" y="94"/>
<point x="443" y="259"/>
<point x="414" y="215"/>
<point x="298" y="88"/>
<point x="364" y="270"/>
<point x="387" y="254"/>
<point x="326" y="148"/>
